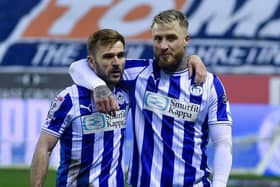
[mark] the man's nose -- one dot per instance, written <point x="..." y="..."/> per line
<point x="116" y="60"/>
<point x="163" y="44"/>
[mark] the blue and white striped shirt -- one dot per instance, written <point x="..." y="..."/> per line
<point x="92" y="144"/>
<point x="171" y="117"/>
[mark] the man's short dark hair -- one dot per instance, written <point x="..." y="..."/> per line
<point x="103" y="37"/>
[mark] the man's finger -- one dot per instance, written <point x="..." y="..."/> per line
<point x="100" y="107"/>
<point x="200" y="77"/>
<point x="107" y="105"/>
<point x="101" y="95"/>
<point x="115" y="103"/>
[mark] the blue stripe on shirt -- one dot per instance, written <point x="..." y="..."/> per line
<point x="106" y="158"/>
<point x="167" y="132"/>
<point x="131" y="63"/>
<point x="60" y="114"/>
<point x="222" y="106"/>
<point x="204" y="143"/>
<point x="148" y="140"/>
<point x="188" y="151"/>
<point x="120" y="174"/>
<point x="86" y="160"/>
<point x="65" y="157"/>
<point x="87" y="142"/>
<point x="135" y="164"/>
<point x="65" y="140"/>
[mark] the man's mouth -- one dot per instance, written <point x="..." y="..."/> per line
<point x="116" y="72"/>
<point x="164" y="55"/>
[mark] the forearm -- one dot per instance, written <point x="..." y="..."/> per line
<point x="82" y="75"/>
<point x="222" y="164"/>
<point x="41" y="157"/>
<point x="39" y="168"/>
<point x="222" y="140"/>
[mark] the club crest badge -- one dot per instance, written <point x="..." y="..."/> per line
<point x="196" y="90"/>
<point x="120" y="98"/>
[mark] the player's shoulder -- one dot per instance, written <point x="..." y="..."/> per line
<point x="137" y="62"/>
<point x="211" y="77"/>
<point x="72" y="91"/>
<point x="83" y="60"/>
<point x="213" y="81"/>
<point x="79" y="91"/>
<point x="62" y="96"/>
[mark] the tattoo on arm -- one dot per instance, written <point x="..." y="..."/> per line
<point x="102" y="92"/>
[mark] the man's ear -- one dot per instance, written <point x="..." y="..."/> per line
<point x="91" y="62"/>
<point x="187" y="39"/>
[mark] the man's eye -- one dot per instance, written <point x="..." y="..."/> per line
<point x="108" y="56"/>
<point x="157" y="39"/>
<point x="171" y="38"/>
<point x="121" y="55"/>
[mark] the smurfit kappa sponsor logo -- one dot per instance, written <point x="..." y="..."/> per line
<point x="171" y="107"/>
<point x="98" y="122"/>
<point x="93" y="122"/>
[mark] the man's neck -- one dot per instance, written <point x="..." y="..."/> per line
<point x="111" y="86"/>
<point x="181" y="66"/>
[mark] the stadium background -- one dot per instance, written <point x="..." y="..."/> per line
<point x="237" y="39"/>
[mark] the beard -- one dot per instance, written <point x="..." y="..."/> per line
<point x="170" y="63"/>
<point x="108" y="76"/>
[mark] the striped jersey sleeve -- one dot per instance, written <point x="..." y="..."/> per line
<point x="59" y="115"/>
<point x="219" y="111"/>
<point x="133" y="67"/>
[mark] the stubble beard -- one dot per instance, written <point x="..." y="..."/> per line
<point x="107" y="77"/>
<point x="173" y="63"/>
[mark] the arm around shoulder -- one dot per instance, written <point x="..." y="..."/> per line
<point x="82" y="75"/>
<point x="196" y="65"/>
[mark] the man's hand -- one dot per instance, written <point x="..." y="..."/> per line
<point x="105" y="101"/>
<point x="195" y="64"/>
